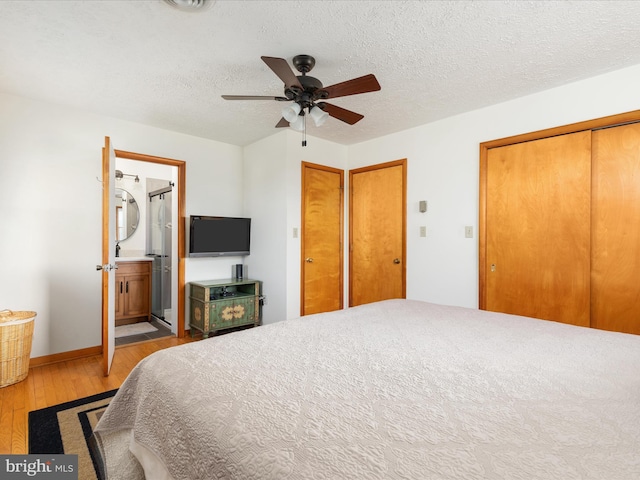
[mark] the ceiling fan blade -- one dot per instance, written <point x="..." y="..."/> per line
<point x="282" y="123"/>
<point x="282" y="69"/>
<point x="347" y="116"/>
<point x="253" y="97"/>
<point x="365" y="84"/>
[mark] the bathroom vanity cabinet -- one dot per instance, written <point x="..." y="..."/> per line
<point x="133" y="292"/>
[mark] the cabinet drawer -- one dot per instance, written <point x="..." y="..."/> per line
<point x="125" y="268"/>
<point x="199" y="293"/>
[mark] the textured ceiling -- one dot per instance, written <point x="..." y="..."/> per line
<point x="148" y="62"/>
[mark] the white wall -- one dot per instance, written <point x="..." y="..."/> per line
<point x="317" y="151"/>
<point x="443" y="166"/>
<point x="265" y="186"/>
<point x="272" y="176"/>
<point x="50" y="221"/>
<point x="51" y="233"/>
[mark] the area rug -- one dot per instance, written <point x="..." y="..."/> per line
<point x="134" y="329"/>
<point x="67" y="428"/>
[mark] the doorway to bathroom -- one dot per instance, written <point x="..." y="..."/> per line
<point x="151" y="186"/>
<point x="178" y="177"/>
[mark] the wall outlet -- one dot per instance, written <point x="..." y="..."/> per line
<point x="295" y="232"/>
<point x="423" y="231"/>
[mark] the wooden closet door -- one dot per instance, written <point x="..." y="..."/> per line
<point x="322" y="226"/>
<point x="377" y="232"/>
<point x="615" y="277"/>
<point x="538" y="228"/>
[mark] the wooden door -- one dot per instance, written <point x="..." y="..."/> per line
<point x="538" y="229"/>
<point x="377" y="232"/>
<point x="615" y="277"/>
<point x="108" y="255"/>
<point x="322" y="239"/>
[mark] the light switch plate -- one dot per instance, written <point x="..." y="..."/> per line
<point x="468" y="232"/>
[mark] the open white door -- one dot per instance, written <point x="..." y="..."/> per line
<point x="108" y="255"/>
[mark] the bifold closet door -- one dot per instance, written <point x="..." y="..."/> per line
<point x="538" y="206"/>
<point x="615" y="278"/>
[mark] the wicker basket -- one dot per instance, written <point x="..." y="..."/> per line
<point x="16" y="332"/>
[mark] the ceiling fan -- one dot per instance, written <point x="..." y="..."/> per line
<point x="307" y="93"/>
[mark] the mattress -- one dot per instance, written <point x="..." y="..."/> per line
<point x="398" y="389"/>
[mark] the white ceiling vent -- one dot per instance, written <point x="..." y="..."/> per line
<point x="189" y="5"/>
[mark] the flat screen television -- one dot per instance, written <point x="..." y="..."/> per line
<point x="219" y="236"/>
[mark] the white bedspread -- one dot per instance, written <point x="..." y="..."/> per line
<point x="394" y="390"/>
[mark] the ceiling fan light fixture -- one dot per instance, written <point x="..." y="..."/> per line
<point x="298" y="123"/>
<point x="291" y="112"/>
<point x="304" y="91"/>
<point x="319" y="116"/>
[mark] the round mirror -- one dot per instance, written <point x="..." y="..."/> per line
<point x="127" y="214"/>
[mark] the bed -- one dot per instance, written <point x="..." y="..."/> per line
<point x="398" y="389"/>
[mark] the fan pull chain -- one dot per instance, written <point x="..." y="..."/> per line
<point x="304" y="130"/>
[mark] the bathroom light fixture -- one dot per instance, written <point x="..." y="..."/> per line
<point x="120" y="176"/>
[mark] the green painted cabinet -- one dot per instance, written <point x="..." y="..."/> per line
<point x="220" y="304"/>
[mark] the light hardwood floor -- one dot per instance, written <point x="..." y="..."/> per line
<point x="56" y="383"/>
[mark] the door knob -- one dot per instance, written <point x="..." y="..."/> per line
<point x="308" y="260"/>
<point x="106" y="267"/>
<point x="396" y="260"/>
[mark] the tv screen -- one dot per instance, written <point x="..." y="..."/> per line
<point x="218" y="236"/>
